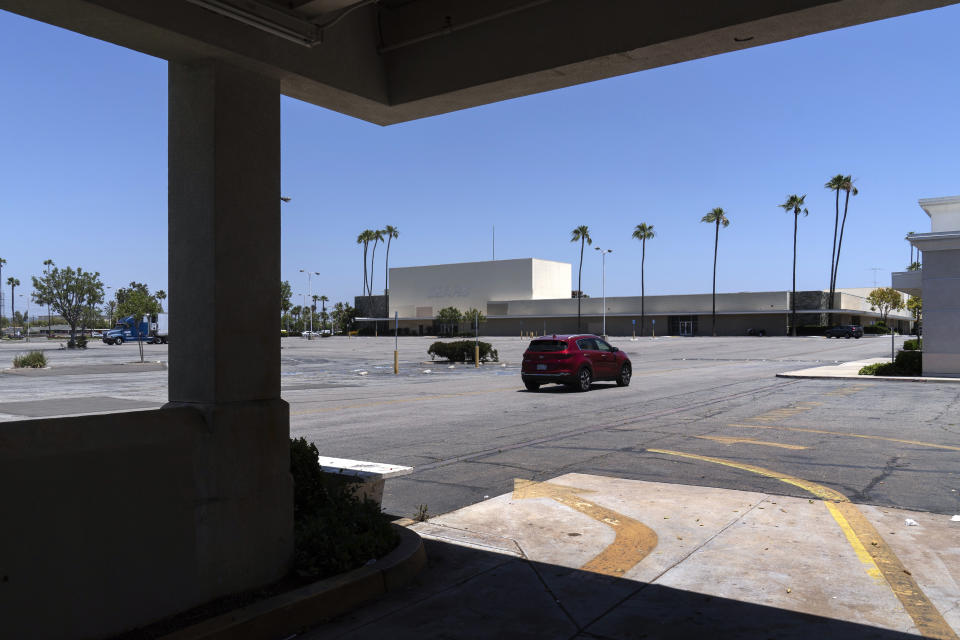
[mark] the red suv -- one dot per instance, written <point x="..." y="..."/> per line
<point x="575" y="360"/>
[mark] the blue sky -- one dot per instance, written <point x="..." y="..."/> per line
<point x="83" y="167"/>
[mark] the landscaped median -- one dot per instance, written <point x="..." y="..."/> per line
<point x="906" y="363"/>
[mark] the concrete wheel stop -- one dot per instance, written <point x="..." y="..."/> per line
<point x="289" y="613"/>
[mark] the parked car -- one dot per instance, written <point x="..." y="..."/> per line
<point x="574" y="360"/>
<point x="844" y="331"/>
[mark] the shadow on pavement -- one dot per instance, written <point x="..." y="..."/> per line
<point x="468" y="593"/>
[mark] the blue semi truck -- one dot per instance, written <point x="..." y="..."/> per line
<point x="152" y="330"/>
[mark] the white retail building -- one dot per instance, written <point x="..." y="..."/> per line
<point x="530" y="295"/>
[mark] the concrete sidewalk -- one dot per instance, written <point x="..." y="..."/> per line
<point x="583" y="556"/>
<point x="851" y="370"/>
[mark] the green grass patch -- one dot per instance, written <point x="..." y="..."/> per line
<point x="32" y="360"/>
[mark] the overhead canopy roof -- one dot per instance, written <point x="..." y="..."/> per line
<point x="389" y="61"/>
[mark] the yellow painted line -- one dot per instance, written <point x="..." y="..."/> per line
<point x="847" y="435"/>
<point x="918" y="606"/>
<point x="820" y="491"/>
<point x="378" y="403"/>
<point x="872" y="569"/>
<point x="925" y="615"/>
<point x="764" y="443"/>
<point x="633" y="542"/>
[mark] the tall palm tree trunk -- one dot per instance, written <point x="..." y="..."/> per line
<point x="836" y="264"/>
<point x="793" y="295"/>
<point x="386" y="269"/>
<point x="716" y="243"/>
<point x="643" y="292"/>
<point x="833" y="253"/>
<point x="364" y="268"/>
<point x="373" y="257"/>
<point x="579" y="283"/>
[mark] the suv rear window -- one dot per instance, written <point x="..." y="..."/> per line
<point x="547" y="345"/>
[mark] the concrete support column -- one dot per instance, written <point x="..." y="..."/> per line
<point x="224" y="199"/>
<point x="224" y="278"/>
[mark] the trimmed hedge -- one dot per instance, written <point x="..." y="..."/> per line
<point x="333" y="531"/>
<point x="875" y="329"/>
<point x="462" y="351"/>
<point x="913" y="345"/>
<point x="907" y="363"/>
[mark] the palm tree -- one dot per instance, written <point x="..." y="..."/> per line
<point x="14" y="283"/>
<point x="837" y="184"/>
<point x="364" y="239"/>
<point x="390" y="232"/>
<point x="642" y="232"/>
<point x="582" y="235"/>
<point x="834" y="184"/>
<point x="160" y="295"/>
<point x="376" y="236"/>
<point x="716" y="217"/>
<point x="323" y="306"/>
<point x="794" y="204"/>
<point x="848" y="187"/>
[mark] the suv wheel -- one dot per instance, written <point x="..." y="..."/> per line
<point x="623" y="379"/>
<point x="584" y="378"/>
<point x="531" y="386"/>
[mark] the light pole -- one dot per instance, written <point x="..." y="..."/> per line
<point x="603" y="284"/>
<point x="310" y="293"/>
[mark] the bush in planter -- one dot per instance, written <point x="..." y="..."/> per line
<point x="913" y="345"/>
<point x="462" y="351"/>
<point x="333" y="531"/>
<point x="906" y="363"/>
<point x="32" y="360"/>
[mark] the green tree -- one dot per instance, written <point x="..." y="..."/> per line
<point x="14" y="283"/>
<point x="582" y="235"/>
<point x="885" y="300"/>
<point x="390" y="232"/>
<point x="160" y="295"/>
<point x="643" y="232"/>
<point x="914" y="266"/>
<point x="716" y="217"/>
<point x="70" y="292"/>
<point x="915" y="307"/>
<point x="794" y="205"/>
<point x="376" y="236"/>
<point x="137" y="302"/>
<point x="449" y="319"/>
<point x="323" y="311"/>
<point x="473" y="316"/>
<point x="285" y="305"/>
<point x="343" y="317"/>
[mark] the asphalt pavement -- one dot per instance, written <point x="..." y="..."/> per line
<point x="778" y="507"/>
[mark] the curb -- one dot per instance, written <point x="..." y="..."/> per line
<point x="289" y="613"/>
<point x="877" y="378"/>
